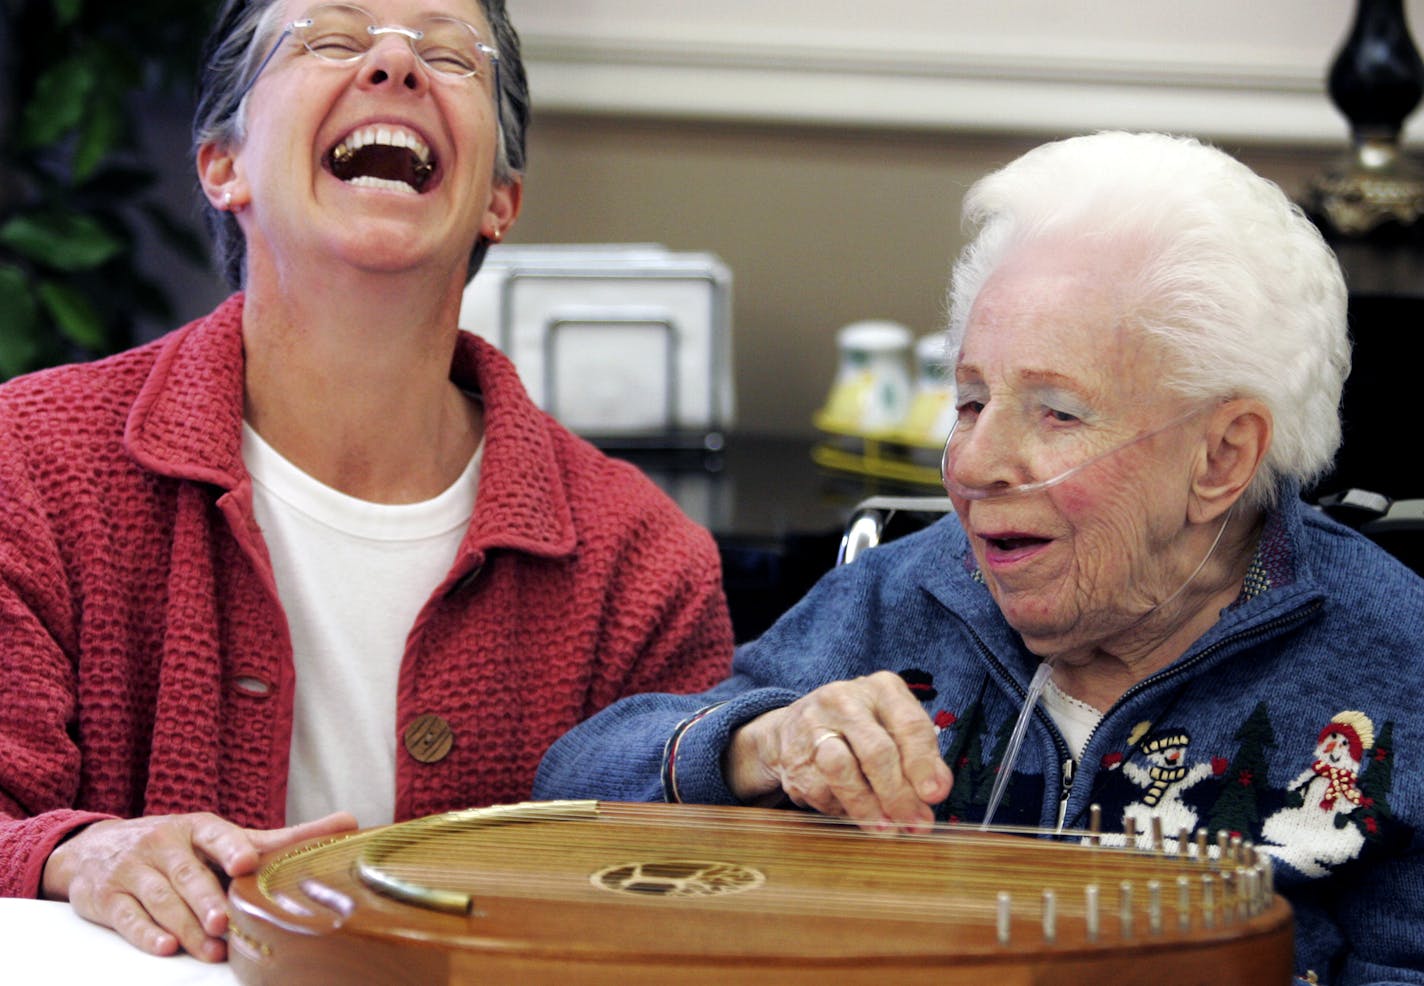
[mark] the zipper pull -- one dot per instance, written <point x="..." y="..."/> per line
<point x="1065" y="789"/>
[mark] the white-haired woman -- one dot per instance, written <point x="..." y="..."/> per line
<point x="1149" y="343"/>
<point x="316" y="560"/>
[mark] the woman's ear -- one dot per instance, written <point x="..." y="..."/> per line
<point x="1237" y="437"/>
<point x="503" y="209"/>
<point x="218" y="175"/>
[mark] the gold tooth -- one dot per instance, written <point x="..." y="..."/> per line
<point x="343" y="152"/>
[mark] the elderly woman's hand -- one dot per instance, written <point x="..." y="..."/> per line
<point x="863" y="749"/>
<point x="153" y="879"/>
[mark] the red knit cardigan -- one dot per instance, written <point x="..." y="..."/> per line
<point x="145" y="657"/>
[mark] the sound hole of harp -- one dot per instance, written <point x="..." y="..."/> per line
<point x="677" y="878"/>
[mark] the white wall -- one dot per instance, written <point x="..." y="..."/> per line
<point x="1222" y="69"/>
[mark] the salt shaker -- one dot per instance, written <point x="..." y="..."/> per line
<point x="871" y="392"/>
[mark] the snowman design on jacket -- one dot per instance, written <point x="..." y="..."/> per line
<point x="1314" y="831"/>
<point x="1163" y="782"/>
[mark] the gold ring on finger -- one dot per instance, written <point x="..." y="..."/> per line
<point x="828" y="734"/>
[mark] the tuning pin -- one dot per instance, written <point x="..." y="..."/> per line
<point x="1154" y="907"/>
<point x="1254" y="902"/>
<point x="1091" y="918"/>
<point x="1268" y="876"/>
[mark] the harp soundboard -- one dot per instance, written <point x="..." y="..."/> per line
<point x="604" y="893"/>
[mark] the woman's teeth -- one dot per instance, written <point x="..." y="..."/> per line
<point x="382" y="157"/>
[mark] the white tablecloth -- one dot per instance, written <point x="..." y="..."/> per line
<point x="45" y="942"/>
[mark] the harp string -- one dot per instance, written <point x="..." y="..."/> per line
<point x="949" y="870"/>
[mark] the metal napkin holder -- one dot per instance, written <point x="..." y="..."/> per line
<point x="628" y="345"/>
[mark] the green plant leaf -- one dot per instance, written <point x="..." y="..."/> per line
<point x="19" y="323"/>
<point x="58" y="104"/>
<point x="62" y="240"/>
<point x="66" y="12"/>
<point x="119" y="65"/>
<point x="103" y="128"/>
<point x="74" y="315"/>
<point x="71" y="150"/>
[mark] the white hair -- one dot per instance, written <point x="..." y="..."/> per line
<point x="1229" y="274"/>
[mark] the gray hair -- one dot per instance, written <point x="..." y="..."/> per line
<point x="239" y="39"/>
<point x="1230" y="275"/>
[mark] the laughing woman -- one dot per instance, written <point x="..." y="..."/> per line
<point x="315" y="560"/>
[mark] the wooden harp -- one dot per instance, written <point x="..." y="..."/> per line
<point x="611" y="893"/>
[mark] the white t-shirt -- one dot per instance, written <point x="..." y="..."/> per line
<point x="352" y="577"/>
<point x="1075" y="719"/>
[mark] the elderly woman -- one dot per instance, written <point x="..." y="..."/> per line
<point x="1149" y="343"/>
<point x="315" y="560"/>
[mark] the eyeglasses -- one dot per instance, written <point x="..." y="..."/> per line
<point x="1073" y="465"/>
<point x="343" y="33"/>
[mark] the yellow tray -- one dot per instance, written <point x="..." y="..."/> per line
<point x="884" y="455"/>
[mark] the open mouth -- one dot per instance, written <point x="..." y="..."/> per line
<point x="1015" y="543"/>
<point x="386" y="157"/>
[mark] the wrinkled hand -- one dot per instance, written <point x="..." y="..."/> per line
<point x="862" y="749"/>
<point x="155" y="880"/>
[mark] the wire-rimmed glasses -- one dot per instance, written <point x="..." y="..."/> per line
<point x="343" y="33"/>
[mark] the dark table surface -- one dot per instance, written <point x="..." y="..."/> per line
<point x="776" y="515"/>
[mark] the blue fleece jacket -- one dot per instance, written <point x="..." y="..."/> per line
<point x="1284" y="723"/>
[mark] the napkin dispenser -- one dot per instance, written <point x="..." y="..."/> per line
<point x="628" y="345"/>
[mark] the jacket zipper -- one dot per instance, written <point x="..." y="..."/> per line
<point x="1065" y="789"/>
<point x="1065" y="757"/>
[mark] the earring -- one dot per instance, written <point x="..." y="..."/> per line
<point x="227" y="201"/>
<point x="498" y="234"/>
